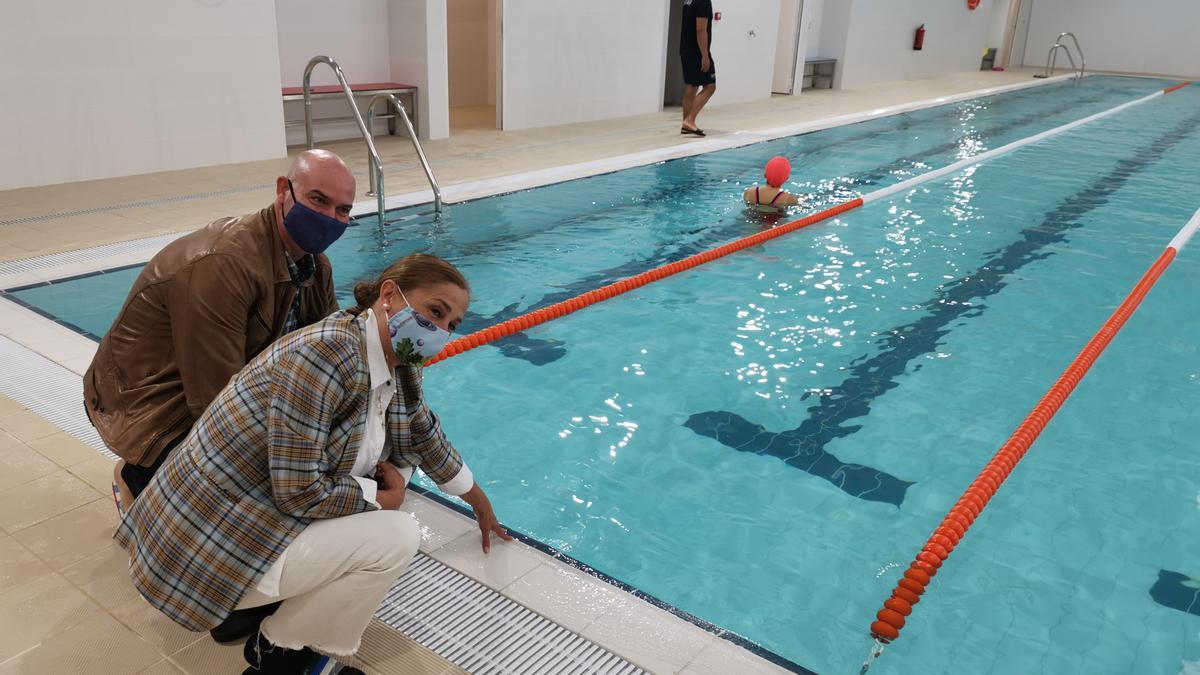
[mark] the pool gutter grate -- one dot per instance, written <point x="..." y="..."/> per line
<point x="142" y="248"/>
<point x="482" y="631"/>
<point x="48" y="389"/>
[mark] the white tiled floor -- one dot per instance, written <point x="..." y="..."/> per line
<point x="504" y="564"/>
<point x="567" y="596"/>
<point x="649" y="636"/>
<point x="66" y="602"/>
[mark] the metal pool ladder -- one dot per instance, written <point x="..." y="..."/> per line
<point x="375" y="166"/>
<point x="1052" y="57"/>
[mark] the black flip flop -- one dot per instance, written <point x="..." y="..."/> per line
<point x="693" y="132"/>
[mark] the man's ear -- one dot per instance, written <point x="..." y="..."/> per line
<point x="281" y="189"/>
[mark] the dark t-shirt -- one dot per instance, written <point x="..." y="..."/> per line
<point x="692" y="10"/>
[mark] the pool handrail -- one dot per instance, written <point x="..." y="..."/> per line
<point x="362" y="127"/>
<point x="1052" y="57"/>
<point x="1052" y="60"/>
<point x="375" y="171"/>
<point x="1082" y="58"/>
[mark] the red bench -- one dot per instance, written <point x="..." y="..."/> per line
<point x="367" y="89"/>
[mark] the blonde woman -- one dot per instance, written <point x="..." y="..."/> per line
<point x="283" y="494"/>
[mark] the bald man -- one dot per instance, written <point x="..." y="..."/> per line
<point x="205" y="305"/>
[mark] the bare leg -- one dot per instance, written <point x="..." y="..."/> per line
<point x="689" y="97"/>
<point x="706" y="92"/>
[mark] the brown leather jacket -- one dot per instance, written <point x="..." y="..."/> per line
<point x="201" y="309"/>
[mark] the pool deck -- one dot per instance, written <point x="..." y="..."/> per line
<point x="70" y="216"/>
<point x="65" y="599"/>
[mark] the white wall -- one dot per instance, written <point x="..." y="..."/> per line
<point x="810" y="31"/>
<point x="787" y="39"/>
<point x="1148" y="36"/>
<point x="493" y="50"/>
<point x="467" y="23"/>
<point x="352" y="32"/>
<point x="835" y="34"/>
<point x="877" y="46"/>
<point x="359" y="44"/>
<point x="997" y="24"/>
<point x="419" y="55"/>
<point x="373" y="41"/>
<point x="578" y="60"/>
<point x="102" y="89"/>
<point x="674" y="84"/>
<point x="744" y="60"/>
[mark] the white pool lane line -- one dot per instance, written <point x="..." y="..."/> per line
<point x="903" y="186"/>
<point x="524" y="181"/>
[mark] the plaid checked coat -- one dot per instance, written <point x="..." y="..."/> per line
<point x="271" y="454"/>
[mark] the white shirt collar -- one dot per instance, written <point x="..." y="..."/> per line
<point x="381" y="373"/>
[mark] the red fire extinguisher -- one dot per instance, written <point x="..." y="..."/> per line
<point x="919" y="40"/>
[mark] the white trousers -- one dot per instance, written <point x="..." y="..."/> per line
<point x="334" y="576"/>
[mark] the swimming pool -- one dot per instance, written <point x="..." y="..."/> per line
<point x="908" y="337"/>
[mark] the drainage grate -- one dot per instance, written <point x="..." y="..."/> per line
<point x="47" y="389"/>
<point x="482" y="631"/>
<point x="146" y="245"/>
<point x="444" y="610"/>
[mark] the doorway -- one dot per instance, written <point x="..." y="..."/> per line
<point x="787" y="47"/>
<point x="1018" y="33"/>
<point x="473" y="46"/>
<point x="674" y="85"/>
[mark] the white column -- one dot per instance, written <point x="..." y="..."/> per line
<point x="417" y="37"/>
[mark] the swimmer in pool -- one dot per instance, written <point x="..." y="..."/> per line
<point x="772" y="198"/>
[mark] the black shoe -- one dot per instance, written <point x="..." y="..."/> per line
<point x="267" y="659"/>
<point x="242" y="623"/>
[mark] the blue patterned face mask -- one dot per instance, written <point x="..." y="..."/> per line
<point x="415" y="338"/>
<point x="311" y="231"/>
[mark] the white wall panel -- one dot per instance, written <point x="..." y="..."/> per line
<point x="352" y="32"/>
<point x="103" y="89"/>
<point x="576" y="60"/>
<point x="1149" y="36"/>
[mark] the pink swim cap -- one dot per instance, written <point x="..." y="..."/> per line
<point x="778" y="170"/>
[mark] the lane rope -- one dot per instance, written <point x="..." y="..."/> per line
<point x="559" y="309"/>
<point x="912" y="585"/>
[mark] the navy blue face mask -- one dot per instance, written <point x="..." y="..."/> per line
<point x="311" y="231"/>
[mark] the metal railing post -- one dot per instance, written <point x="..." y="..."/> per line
<point x="1082" y="58"/>
<point x="398" y="107"/>
<point x="374" y="164"/>
<point x="362" y="127"/>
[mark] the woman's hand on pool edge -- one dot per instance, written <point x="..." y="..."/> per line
<point x="484" y="516"/>
<point x="391" y="486"/>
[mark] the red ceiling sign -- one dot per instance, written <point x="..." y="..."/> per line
<point x="972" y="4"/>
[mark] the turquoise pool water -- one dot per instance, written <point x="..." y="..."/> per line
<point x="761" y="440"/>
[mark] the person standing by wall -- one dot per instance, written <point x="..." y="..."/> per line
<point x="699" y="71"/>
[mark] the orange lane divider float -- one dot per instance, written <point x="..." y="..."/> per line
<point x="890" y="619"/>
<point x="537" y="317"/>
<point x="540" y="316"/>
<point x="1176" y="87"/>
